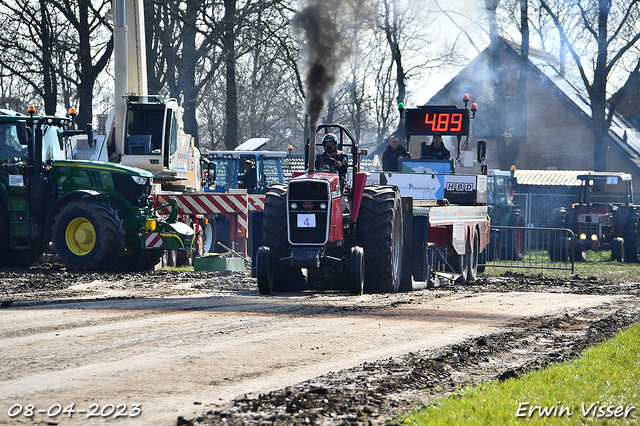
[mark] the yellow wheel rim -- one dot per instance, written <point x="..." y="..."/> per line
<point x="80" y="236"/>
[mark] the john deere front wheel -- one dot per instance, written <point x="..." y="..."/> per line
<point x="88" y="235"/>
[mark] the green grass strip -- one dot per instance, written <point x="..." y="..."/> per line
<point x="598" y="264"/>
<point x="602" y="387"/>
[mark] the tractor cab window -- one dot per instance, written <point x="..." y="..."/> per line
<point x="144" y="129"/>
<point x="51" y="150"/>
<point x="272" y="171"/>
<point x="606" y="190"/>
<point x="225" y="172"/>
<point x="172" y="131"/>
<point x="11" y="152"/>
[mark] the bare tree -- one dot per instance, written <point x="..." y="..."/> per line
<point x="612" y="49"/>
<point x="92" y="51"/>
<point x="390" y="26"/>
<point x="26" y="40"/>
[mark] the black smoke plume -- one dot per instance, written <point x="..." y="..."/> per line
<point x="325" y="49"/>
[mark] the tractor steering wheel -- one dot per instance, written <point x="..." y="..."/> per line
<point x="323" y="164"/>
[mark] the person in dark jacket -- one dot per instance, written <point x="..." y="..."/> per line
<point x="332" y="158"/>
<point x="392" y="154"/>
<point x="436" y="150"/>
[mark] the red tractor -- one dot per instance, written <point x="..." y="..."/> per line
<point x="342" y="235"/>
<point x="605" y="218"/>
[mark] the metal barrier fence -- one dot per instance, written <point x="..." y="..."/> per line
<point x="530" y="248"/>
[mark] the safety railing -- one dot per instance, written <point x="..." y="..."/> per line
<point x="530" y="248"/>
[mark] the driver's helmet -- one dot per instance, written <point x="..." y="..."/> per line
<point x="330" y="142"/>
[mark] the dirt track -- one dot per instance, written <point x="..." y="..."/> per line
<point x="205" y="348"/>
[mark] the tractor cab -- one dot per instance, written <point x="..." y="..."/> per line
<point x="232" y="170"/>
<point x="501" y="187"/>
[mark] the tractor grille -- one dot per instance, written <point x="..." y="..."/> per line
<point x="136" y="194"/>
<point x="590" y="229"/>
<point x="308" y="206"/>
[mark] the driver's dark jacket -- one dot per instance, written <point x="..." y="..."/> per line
<point x="441" y="153"/>
<point x="338" y="156"/>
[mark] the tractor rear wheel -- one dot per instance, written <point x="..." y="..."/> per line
<point x="630" y="235"/>
<point x="274" y="236"/>
<point x="558" y="217"/>
<point x="88" y="235"/>
<point x="379" y="228"/>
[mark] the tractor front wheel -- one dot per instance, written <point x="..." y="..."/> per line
<point x="88" y="235"/>
<point x="274" y="236"/>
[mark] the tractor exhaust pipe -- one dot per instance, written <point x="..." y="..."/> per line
<point x="311" y="152"/>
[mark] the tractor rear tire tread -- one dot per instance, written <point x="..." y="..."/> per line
<point x="379" y="228"/>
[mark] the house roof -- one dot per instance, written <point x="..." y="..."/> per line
<point x="624" y="138"/>
<point x="549" y="177"/>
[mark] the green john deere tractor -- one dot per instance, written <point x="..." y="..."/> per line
<point x="504" y="244"/>
<point x="97" y="215"/>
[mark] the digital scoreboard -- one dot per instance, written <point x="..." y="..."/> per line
<point x="443" y="120"/>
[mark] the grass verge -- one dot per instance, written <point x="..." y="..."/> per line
<point x="601" y="387"/>
<point x="598" y="264"/>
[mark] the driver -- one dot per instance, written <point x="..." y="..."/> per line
<point x="332" y="157"/>
<point x="10" y="148"/>
<point x="436" y="150"/>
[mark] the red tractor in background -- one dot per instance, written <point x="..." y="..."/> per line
<point x="344" y="237"/>
<point x="605" y="218"/>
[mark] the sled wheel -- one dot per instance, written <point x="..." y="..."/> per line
<point x="473" y="257"/>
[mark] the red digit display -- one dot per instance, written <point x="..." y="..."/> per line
<point x="456" y="122"/>
<point x="430" y="122"/>
<point x="445" y="120"/>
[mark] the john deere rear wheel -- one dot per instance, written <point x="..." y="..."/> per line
<point x="88" y="235"/>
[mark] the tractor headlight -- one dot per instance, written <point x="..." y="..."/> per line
<point x="594" y="237"/>
<point x="323" y="206"/>
<point x="139" y="180"/>
<point x="294" y="206"/>
<point x="583" y="237"/>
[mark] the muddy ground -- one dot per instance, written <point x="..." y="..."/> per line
<point x="373" y="392"/>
